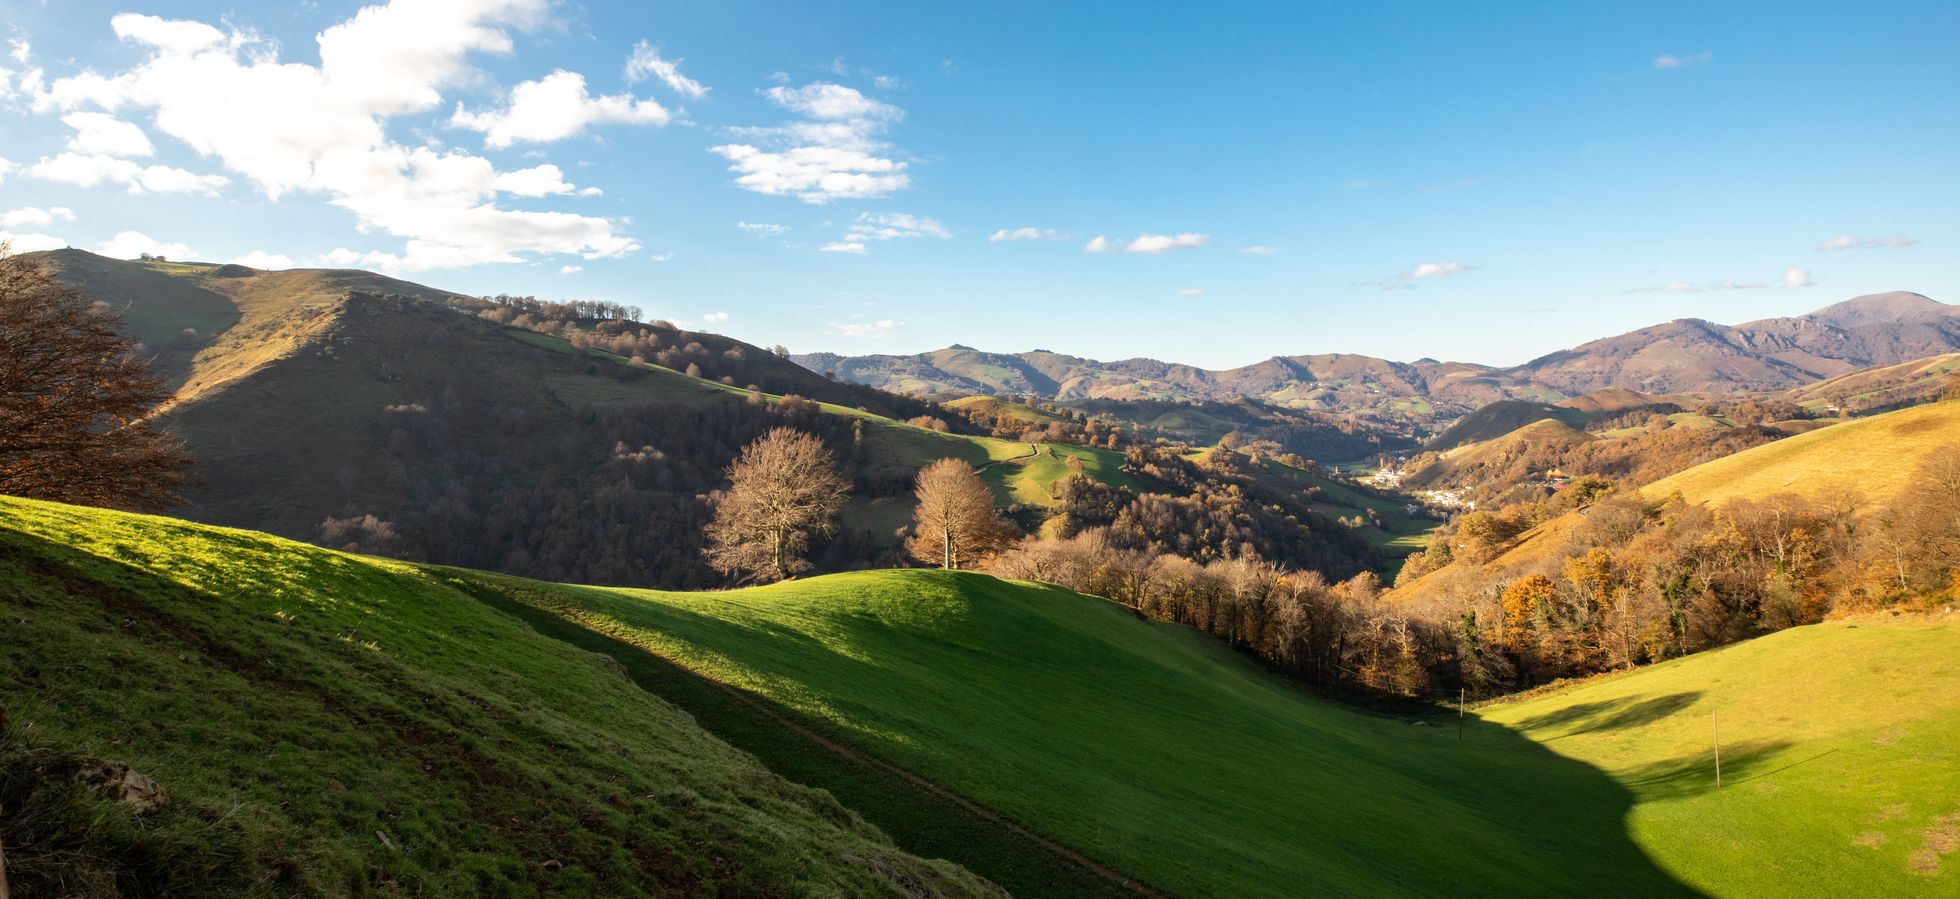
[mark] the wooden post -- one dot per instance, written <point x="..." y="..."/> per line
<point x="1460" y="693"/>
<point x="1714" y="719"/>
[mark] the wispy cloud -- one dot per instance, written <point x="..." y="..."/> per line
<point x="763" y="229"/>
<point x="880" y="328"/>
<point x="1191" y="292"/>
<point x="1854" y="242"/>
<point x="843" y="246"/>
<point x="570" y="269"/>
<point x="646" y="63"/>
<point x="1699" y="287"/>
<point x="1012" y="234"/>
<point x="1261" y="250"/>
<point x="1797" y="276"/>
<point x="1151" y="244"/>
<point x="893" y="226"/>
<point x="1670" y="61"/>
<point x="1423" y="271"/>
<point x="715" y="318"/>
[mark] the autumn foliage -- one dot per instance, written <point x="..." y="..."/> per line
<point x="956" y="522"/>
<point x="783" y="490"/>
<point x="75" y="401"/>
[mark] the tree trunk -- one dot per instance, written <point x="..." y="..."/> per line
<point x="782" y="570"/>
<point x="948" y="564"/>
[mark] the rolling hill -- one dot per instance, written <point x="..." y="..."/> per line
<point x="329" y="725"/>
<point x="1055" y="743"/>
<point x="1388" y="392"/>
<point x="1865" y="461"/>
<point x="357" y="411"/>
<point x="1882" y="388"/>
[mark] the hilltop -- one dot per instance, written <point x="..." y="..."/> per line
<point x="1691" y="355"/>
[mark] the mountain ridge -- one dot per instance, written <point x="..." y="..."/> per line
<point x="1686" y="355"/>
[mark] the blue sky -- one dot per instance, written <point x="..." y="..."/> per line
<point x="1195" y="182"/>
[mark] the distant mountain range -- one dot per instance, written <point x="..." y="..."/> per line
<point x="1682" y="356"/>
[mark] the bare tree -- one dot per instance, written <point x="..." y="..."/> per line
<point x="784" y="490"/>
<point x="956" y="521"/>
<point x="74" y="400"/>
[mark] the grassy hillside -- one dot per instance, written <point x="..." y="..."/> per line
<point x="328" y="724"/>
<point x="1870" y="458"/>
<point x="1145" y="745"/>
<point x="1882" y="387"/>
<point x="1501" y="418"/>
<point x="1840" y="758"/>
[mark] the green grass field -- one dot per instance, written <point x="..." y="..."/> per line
<point x="296" y="702"/>
<point x="1148" y="746"/>
<point x="334" y="725"/>
<point x="1840" y="758"/>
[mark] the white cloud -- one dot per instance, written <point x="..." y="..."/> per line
<point x="176" y="38"/>
<point x="570" y="269"/>
<point x="715" y="318"/>
<point x="1854" y="242"/>
<point x="762" y="229"/>
<point x="880" y="328"/>
<point x="1438" y="270"/>
<point x="131" y="244"/>
<point x="1148" y="243"/>
<point x="832" y="153"/>
<point x="646" y="63"/>
<point x="1797" y="276"/>
<point x="265" y="260"/>
<point x="30" y="242"/>
<point x="1261" y="250"/>
<point x="553" y="108"/>
<point x="35" y="217"/>
<point x="92" y="170"/>
<point x="662" y="257"/>
<point x="1191" y="292"/>
<point x="545" y="180"/>
<point x="1670" y="61"/>
<point x="19" y="50"/>
<point x="6" y="165"/>
<point x="1406" y="280"/>
<point x="1026" y="234"/>
<point x="1361" y="184"/>
<point x="839" y="246"/>
<point x="893" y="226"/>
<point x="297" y="128"/>
<point x="104" y="134"/>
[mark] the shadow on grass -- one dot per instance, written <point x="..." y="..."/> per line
<point x="1538" y="823"/>
<point x="1616" y="714"/>
<point x="920" y="820"/>
<point x="1694" y="774"/>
